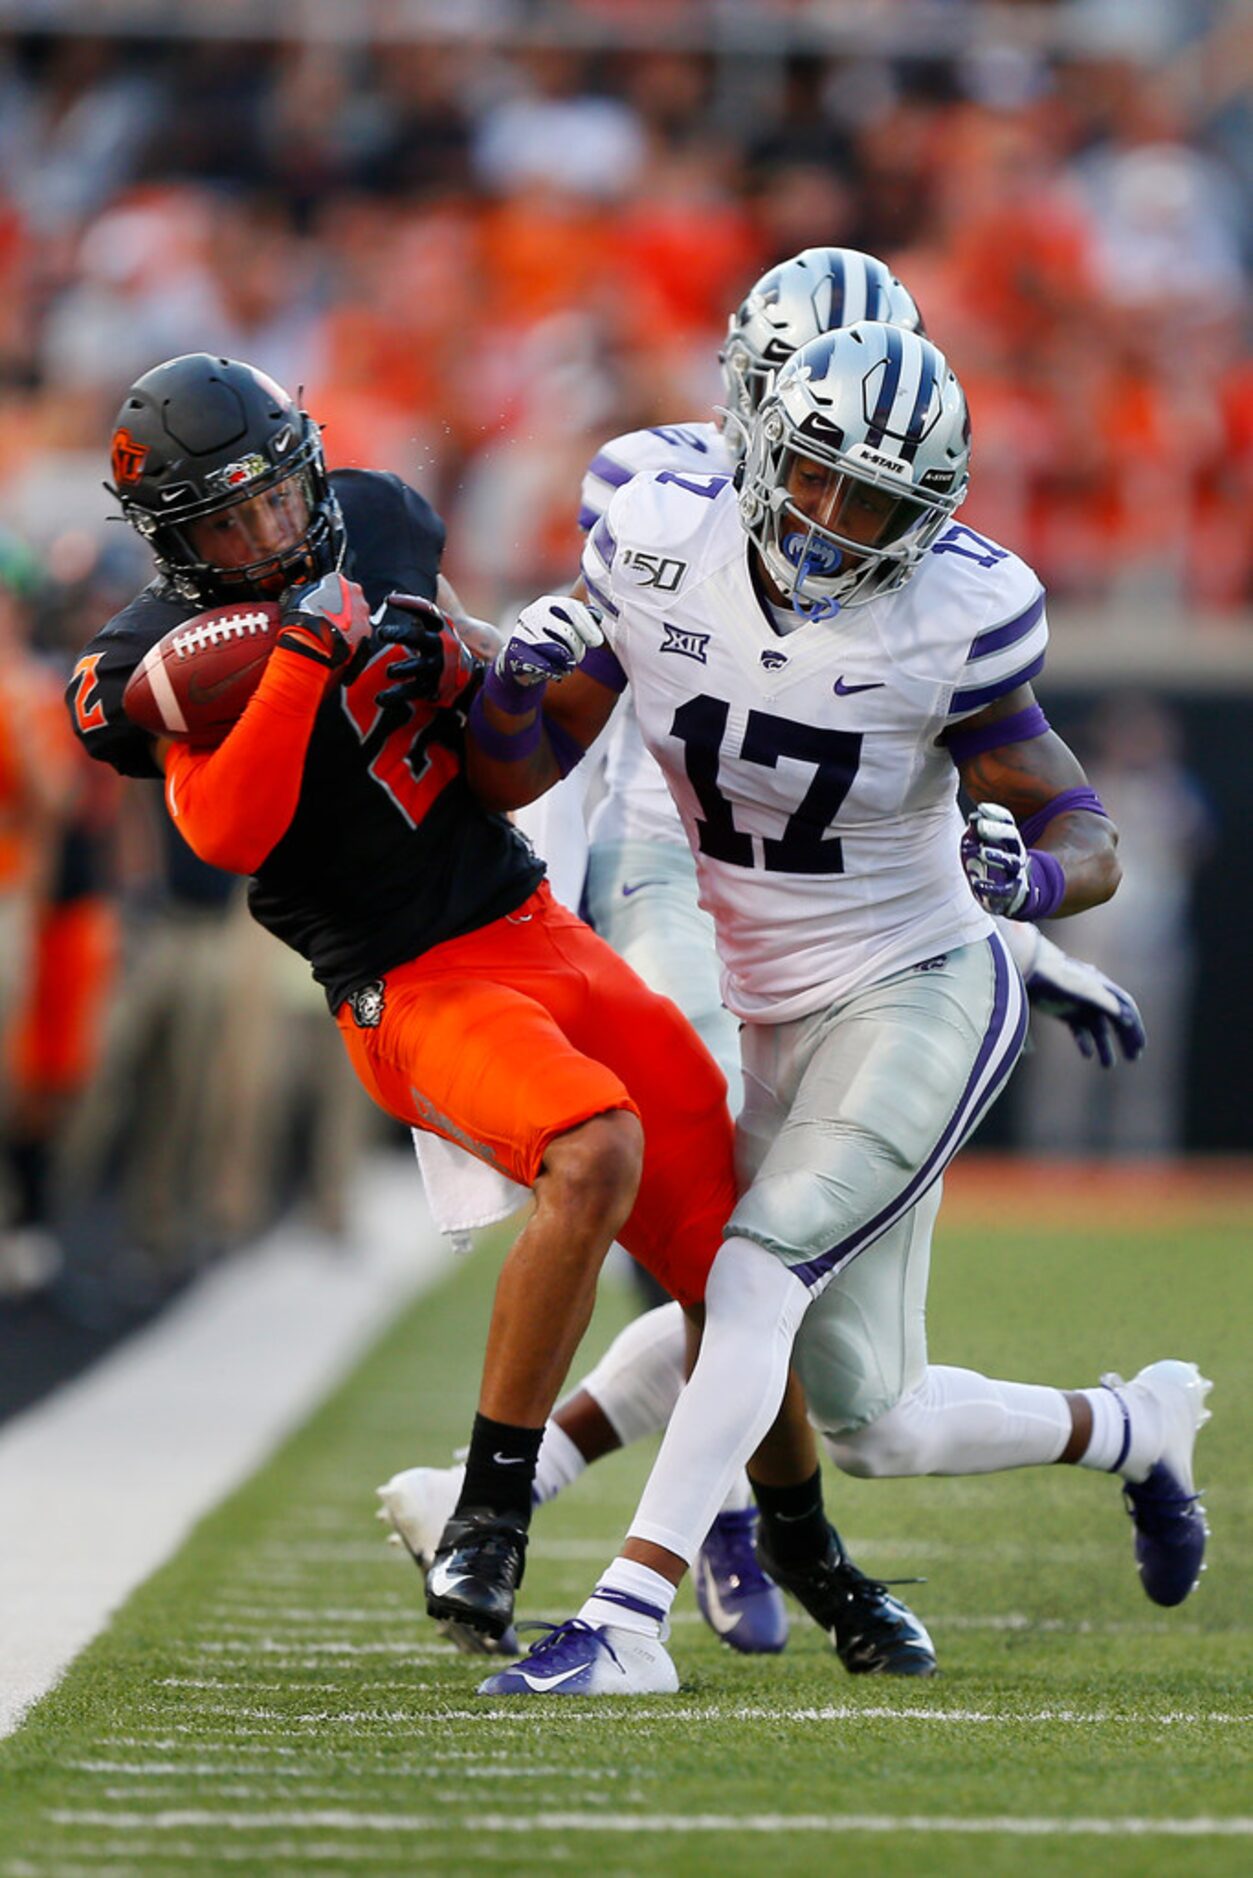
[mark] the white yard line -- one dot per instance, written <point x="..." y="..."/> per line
<point x="102" y="1482"/>
<point x="337" y="1819"/>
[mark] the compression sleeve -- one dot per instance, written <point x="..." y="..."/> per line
<point x="234" y="804"/>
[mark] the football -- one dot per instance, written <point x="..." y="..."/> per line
<point x="194" y="682"/>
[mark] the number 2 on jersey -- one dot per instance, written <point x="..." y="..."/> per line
<point x="410" y="770"/>
<point x="804" y="847"/>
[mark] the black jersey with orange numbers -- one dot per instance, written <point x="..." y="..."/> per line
<point x="388" y="853"/>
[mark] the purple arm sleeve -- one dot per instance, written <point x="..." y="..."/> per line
<point x="600" y="663"/>
<point x="964" y="742"/>
<point x="1047" y="889"/>
<point x="1069" y="802"/>
<point x="500" y="745"/>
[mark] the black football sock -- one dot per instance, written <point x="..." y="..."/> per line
<point x="794" y="1521"/>
<point x="500" y="1468"/>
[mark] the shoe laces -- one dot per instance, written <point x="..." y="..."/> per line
<point x="1153" y="1511"/>
<point x="844" y="1571"/>
<point x="557" y="1636"/>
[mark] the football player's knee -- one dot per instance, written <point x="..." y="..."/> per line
<point x="890" y="1446"/>
<point x="847" y="1384"/>
<point x="592" y="1172"/>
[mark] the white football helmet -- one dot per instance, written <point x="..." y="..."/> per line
<point x="856" y="460"/>
<point x="812" y="293"/>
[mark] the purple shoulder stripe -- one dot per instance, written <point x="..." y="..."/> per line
<point x="588" y="517"/>
<point x="604" y="541"/>
<point x="996" y="638"/>
<point x="600" y="599"/>
<point x="976" y="696"/>
<point x="609" y="471"/>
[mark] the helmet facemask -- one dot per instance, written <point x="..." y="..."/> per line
<point x="842" y="512"/>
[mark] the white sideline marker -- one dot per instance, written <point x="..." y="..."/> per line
<point x="102" y="1482"/>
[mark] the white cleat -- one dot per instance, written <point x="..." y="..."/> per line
<point x="417" y="1504"/>
<point x="1165" y="1509"/>
<point x="577" y="1658"/>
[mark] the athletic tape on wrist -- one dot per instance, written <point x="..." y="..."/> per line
<point x="1048" y="886"/>
<point x="514" y="699"/>
<point x="500" y="745"/>
<point x="1069" y="802"/>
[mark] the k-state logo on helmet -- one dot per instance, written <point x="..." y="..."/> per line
<point x="688" y="645"/>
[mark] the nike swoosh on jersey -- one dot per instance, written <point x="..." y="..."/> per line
<point x="846" y="691"/>
<point x="723" y="1621"/>
<point x="542" y="1683"/>
<point x="639" y="887"/>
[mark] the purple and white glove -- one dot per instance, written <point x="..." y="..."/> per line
<point x="1006" y="876"/>
<point x="551" y="637"/>
<point x="1097" y="1012"/>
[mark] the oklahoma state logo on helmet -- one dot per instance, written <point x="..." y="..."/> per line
<point x="129" y="457"/>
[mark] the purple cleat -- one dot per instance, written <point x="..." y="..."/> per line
<point x="1165" y="1508"/>
<point x="736" y="1598"/>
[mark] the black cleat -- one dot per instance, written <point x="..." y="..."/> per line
<point x="873" y="1633"/>
<point x="476" y="1570"/>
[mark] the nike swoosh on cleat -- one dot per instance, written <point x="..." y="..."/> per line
<point x="508" y="1460"/>
<point x="846" y="691"/>
<point x="723" y="1622"/>
<point x="542" y="1684"/>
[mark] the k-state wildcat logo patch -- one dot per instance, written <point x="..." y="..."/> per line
<point x="772" y="660"/>
<point x="687" y="644"/>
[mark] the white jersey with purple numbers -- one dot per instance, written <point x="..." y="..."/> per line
<point x="805" y="766"/>
<point x="636" y="804"/>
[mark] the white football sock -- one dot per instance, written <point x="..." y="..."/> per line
<point x="956" y="1421"/>
<point x="632" y="1597"/>
<point x="754" y="1306"/>
<point x="559" y="1463"/>
<point x="1127" y="1429"/>
<point x="637" y="1381"/>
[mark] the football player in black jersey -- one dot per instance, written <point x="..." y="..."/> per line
<point x="470" y="1003"/>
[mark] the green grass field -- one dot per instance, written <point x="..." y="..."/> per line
<point x="274" y="1703"/>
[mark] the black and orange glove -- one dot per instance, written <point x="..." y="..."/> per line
<point x="328" y="622"/>
<point x="438" y="668"/>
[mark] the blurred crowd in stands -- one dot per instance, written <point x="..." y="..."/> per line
<point x="480" y="259"/>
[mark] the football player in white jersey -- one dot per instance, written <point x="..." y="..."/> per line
<point x="831" y="653"/>
<point x="635" y="868"/>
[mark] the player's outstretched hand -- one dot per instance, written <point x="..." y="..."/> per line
<point x="437" y="668"/>
<point x="551" y="637"/>
<point x="1098" y="1013"/>
<point x="996" y="860"/>
<point x="326" y="622"/>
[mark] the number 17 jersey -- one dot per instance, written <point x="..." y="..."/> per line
<point x="805" y="765"/>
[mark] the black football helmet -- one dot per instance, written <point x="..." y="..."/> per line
<point x="200" y="434"/>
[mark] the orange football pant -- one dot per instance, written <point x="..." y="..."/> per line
<point x="512" y="1035"/>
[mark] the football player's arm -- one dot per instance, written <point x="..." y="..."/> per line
<point x="233" y="804"/>
<point x="545" y="699"/>
<point x="1039" y="844"/>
